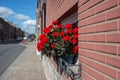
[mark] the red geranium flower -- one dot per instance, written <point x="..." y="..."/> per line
<point x="52" y="45"/>
<point x="60" y="26"/>
<point x="66" y="38"/>
<point x="69" y="32"/>
<point x="55" y="34"/>
<point x="75" y="36"/>
<point x="50" y="27"/>
<point x="51" y="39"/>
<point x="75" y="30"/>
<point x="75" y="50"/>
<point x="68" y="26"/>
<point x="74" y="41"/>
<point x="39" y="46"/>
<point x="44" y="40"/>
<point x="61" y="33"/>
<point x="42" y="36"/>
<point x="55" y="22"/>
<point x="47" y="30"/>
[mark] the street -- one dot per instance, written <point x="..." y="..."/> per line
<point x="8" y="53"/>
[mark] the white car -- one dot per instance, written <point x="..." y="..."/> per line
<point x="19" y="39"/>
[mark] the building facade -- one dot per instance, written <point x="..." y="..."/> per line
<point x="99" y="33"/>
<point x="9" y="31"/>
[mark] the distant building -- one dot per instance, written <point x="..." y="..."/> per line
<point x="9" y="31"/>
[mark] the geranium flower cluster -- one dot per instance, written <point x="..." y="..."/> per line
<point x="58" y="39"/>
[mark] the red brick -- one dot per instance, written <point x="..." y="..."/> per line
<point x="113" y="14"/>
<point x="86" y="61"/>
<point x="82" y="9"/>
<point x="89" y="29"/>
<point x="118" y="75"/>
<point x="113" y="37"/>
<point x="114" y="61"/>
<point x="82" y="23"/>
<point x="106" y="5"/>
<point x="92" y="3"/>
<point x="79" y="30"/>
<point x="84" y="68"/>
<point x="107" y="70"/>
<point x="97" y="38"/>
<point x="82" y="52"/>
<point x="81" y="2"/>
<point x="82" y="38"/>
<point x="95" y="56"/>
<point x="86" y="76"/>
<point x="88" y="5"/>
<point x="82" y="30"/>
<point x="93" y="73"/>
<point x="119" y="25"/>
<point x="106" y="48"/>
<point x="106" y="27"/>
<point x="96" y="19"/>
<point x="86" y="14"/>
<point x="107" y="78"/>
<point x="62" y="8"/>
<point x="119" y="50"/>
<point x="79" y="57"/>
<point x="88" y="46"/>
<point x="118" y="1"/>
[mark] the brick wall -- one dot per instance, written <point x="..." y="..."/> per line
<point x="57" y="8"/>
<point x="99" y="35"/>
<point x="99" y="39"/>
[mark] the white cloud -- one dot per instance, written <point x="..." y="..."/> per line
<point x="29" y="26"/>
<point x="5" y="12"/>
<point x="21" y="17"/>
<point x="29" y="22"/>
<point x="30" y="29"/>
<point x="24" y="21"/>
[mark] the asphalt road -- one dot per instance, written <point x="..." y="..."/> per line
<point x="8" y="53"/>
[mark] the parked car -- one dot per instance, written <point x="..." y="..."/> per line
<point x="19" y="38"/>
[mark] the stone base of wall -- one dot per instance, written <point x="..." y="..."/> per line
<point x="50" y="70"/>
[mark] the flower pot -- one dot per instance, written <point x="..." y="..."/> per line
<point x="67" y="58"/>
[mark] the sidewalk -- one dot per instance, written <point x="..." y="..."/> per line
<point x="26" y="67"/>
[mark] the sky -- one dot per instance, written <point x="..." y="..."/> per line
<point x="20" y="12"/>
